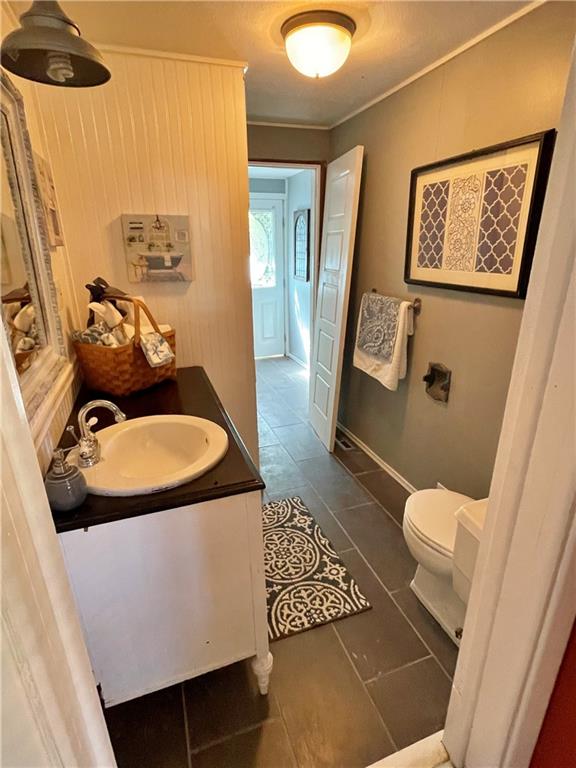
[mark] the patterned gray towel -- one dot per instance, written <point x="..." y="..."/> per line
<point x="378" y="325"/>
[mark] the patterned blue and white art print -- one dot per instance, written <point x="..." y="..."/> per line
<point x="473" y="219"/>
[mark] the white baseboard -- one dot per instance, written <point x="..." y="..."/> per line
<point x="381" y="463"/>
<point x="427" y="753"/>
<point x="296" y="359"/>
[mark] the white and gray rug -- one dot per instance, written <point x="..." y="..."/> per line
<point x="306" y="582"/>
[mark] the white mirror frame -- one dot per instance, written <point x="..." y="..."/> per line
<point x="38" y="381"/>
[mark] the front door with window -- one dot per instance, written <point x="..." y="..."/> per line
<point x="267" y="275"/>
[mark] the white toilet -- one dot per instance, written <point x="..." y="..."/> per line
<point x="442" y="530"/>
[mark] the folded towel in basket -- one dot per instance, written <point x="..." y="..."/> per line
<point x="156" y="349"/>
<point x="384" y="325"/>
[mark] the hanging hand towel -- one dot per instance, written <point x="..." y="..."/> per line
<point x="384" y="325"/>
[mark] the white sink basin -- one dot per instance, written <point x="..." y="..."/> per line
<point x="154" y="453"/>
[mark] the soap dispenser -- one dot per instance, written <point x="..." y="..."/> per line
<point x="65" y="484"/>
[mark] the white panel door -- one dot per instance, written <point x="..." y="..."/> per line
<point x="267" y="275"/>
<point x="336" y="254"/>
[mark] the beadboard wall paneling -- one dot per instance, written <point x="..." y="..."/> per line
<point x="164" y="136"/>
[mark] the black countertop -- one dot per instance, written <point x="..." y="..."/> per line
<point x="191" y="394"/>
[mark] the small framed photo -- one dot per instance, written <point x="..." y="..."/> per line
<point x="302" y="244"/>
<point x="473" y="219"/>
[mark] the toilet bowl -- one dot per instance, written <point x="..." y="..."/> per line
<point x="442" y="530"/>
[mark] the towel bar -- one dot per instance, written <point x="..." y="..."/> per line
<point x="416" y="303"/>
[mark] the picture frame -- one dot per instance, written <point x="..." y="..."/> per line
<point x="49" y="201"/>
<point x="157" y="247"/>
<point x="301" y="245"/>
<point x="473" y="219"/>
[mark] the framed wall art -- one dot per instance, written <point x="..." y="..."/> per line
<point x="473" y="219"/>
<point x="157" y="248"/>
<point x="302" y="244"/>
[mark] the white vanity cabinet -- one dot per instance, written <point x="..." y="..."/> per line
<point x="169" y="595"/>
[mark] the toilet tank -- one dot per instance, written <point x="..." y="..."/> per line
<point x="470" y="523"/>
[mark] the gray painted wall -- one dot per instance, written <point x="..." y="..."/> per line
<point x="269" y="186"/>
<point x="268" y="143"/>
<point x="299" y="195"/>
<point x="509" y="85"/>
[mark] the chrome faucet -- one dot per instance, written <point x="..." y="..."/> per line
<point x="88" y="445"/>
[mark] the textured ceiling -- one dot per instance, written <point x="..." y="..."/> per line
<point x="394" y="40"/>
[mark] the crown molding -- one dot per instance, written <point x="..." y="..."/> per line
<point x="145" y="52"/>
<point x="169" y="55"/>
<point x="439" y="62"/>
<point x="534" y="5"/>
<point x="120" y="49"/>
<point x="302" y="126"/>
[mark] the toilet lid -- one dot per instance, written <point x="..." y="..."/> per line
<point x="431" y="514"/>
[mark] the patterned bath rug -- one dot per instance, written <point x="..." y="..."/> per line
<point x="306" y="582"/>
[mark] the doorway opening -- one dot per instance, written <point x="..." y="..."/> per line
<point x="284" y="245"/>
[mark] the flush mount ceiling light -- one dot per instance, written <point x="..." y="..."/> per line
<point x="318" y="42"/>
<point x="48" y="49"/>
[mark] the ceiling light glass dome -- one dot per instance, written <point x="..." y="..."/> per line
<point x="318" y="42"/>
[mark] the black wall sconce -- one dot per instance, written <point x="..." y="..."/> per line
<point x="48" y="48"/>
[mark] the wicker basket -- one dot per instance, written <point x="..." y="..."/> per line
<point x="124" y="370"/>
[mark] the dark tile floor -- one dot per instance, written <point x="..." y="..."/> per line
<point x="343" y="695"/>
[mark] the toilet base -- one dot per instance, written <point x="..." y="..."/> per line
<point x="438" y="597"/>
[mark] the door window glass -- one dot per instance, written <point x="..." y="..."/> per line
<point x="262" y="261"/>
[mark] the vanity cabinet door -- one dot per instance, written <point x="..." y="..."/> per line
<point x="165" y="596"/>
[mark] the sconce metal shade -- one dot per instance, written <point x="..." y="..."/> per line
<point x="48" y="49"/>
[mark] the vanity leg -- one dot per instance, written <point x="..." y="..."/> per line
<point x="262" y="666"/>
